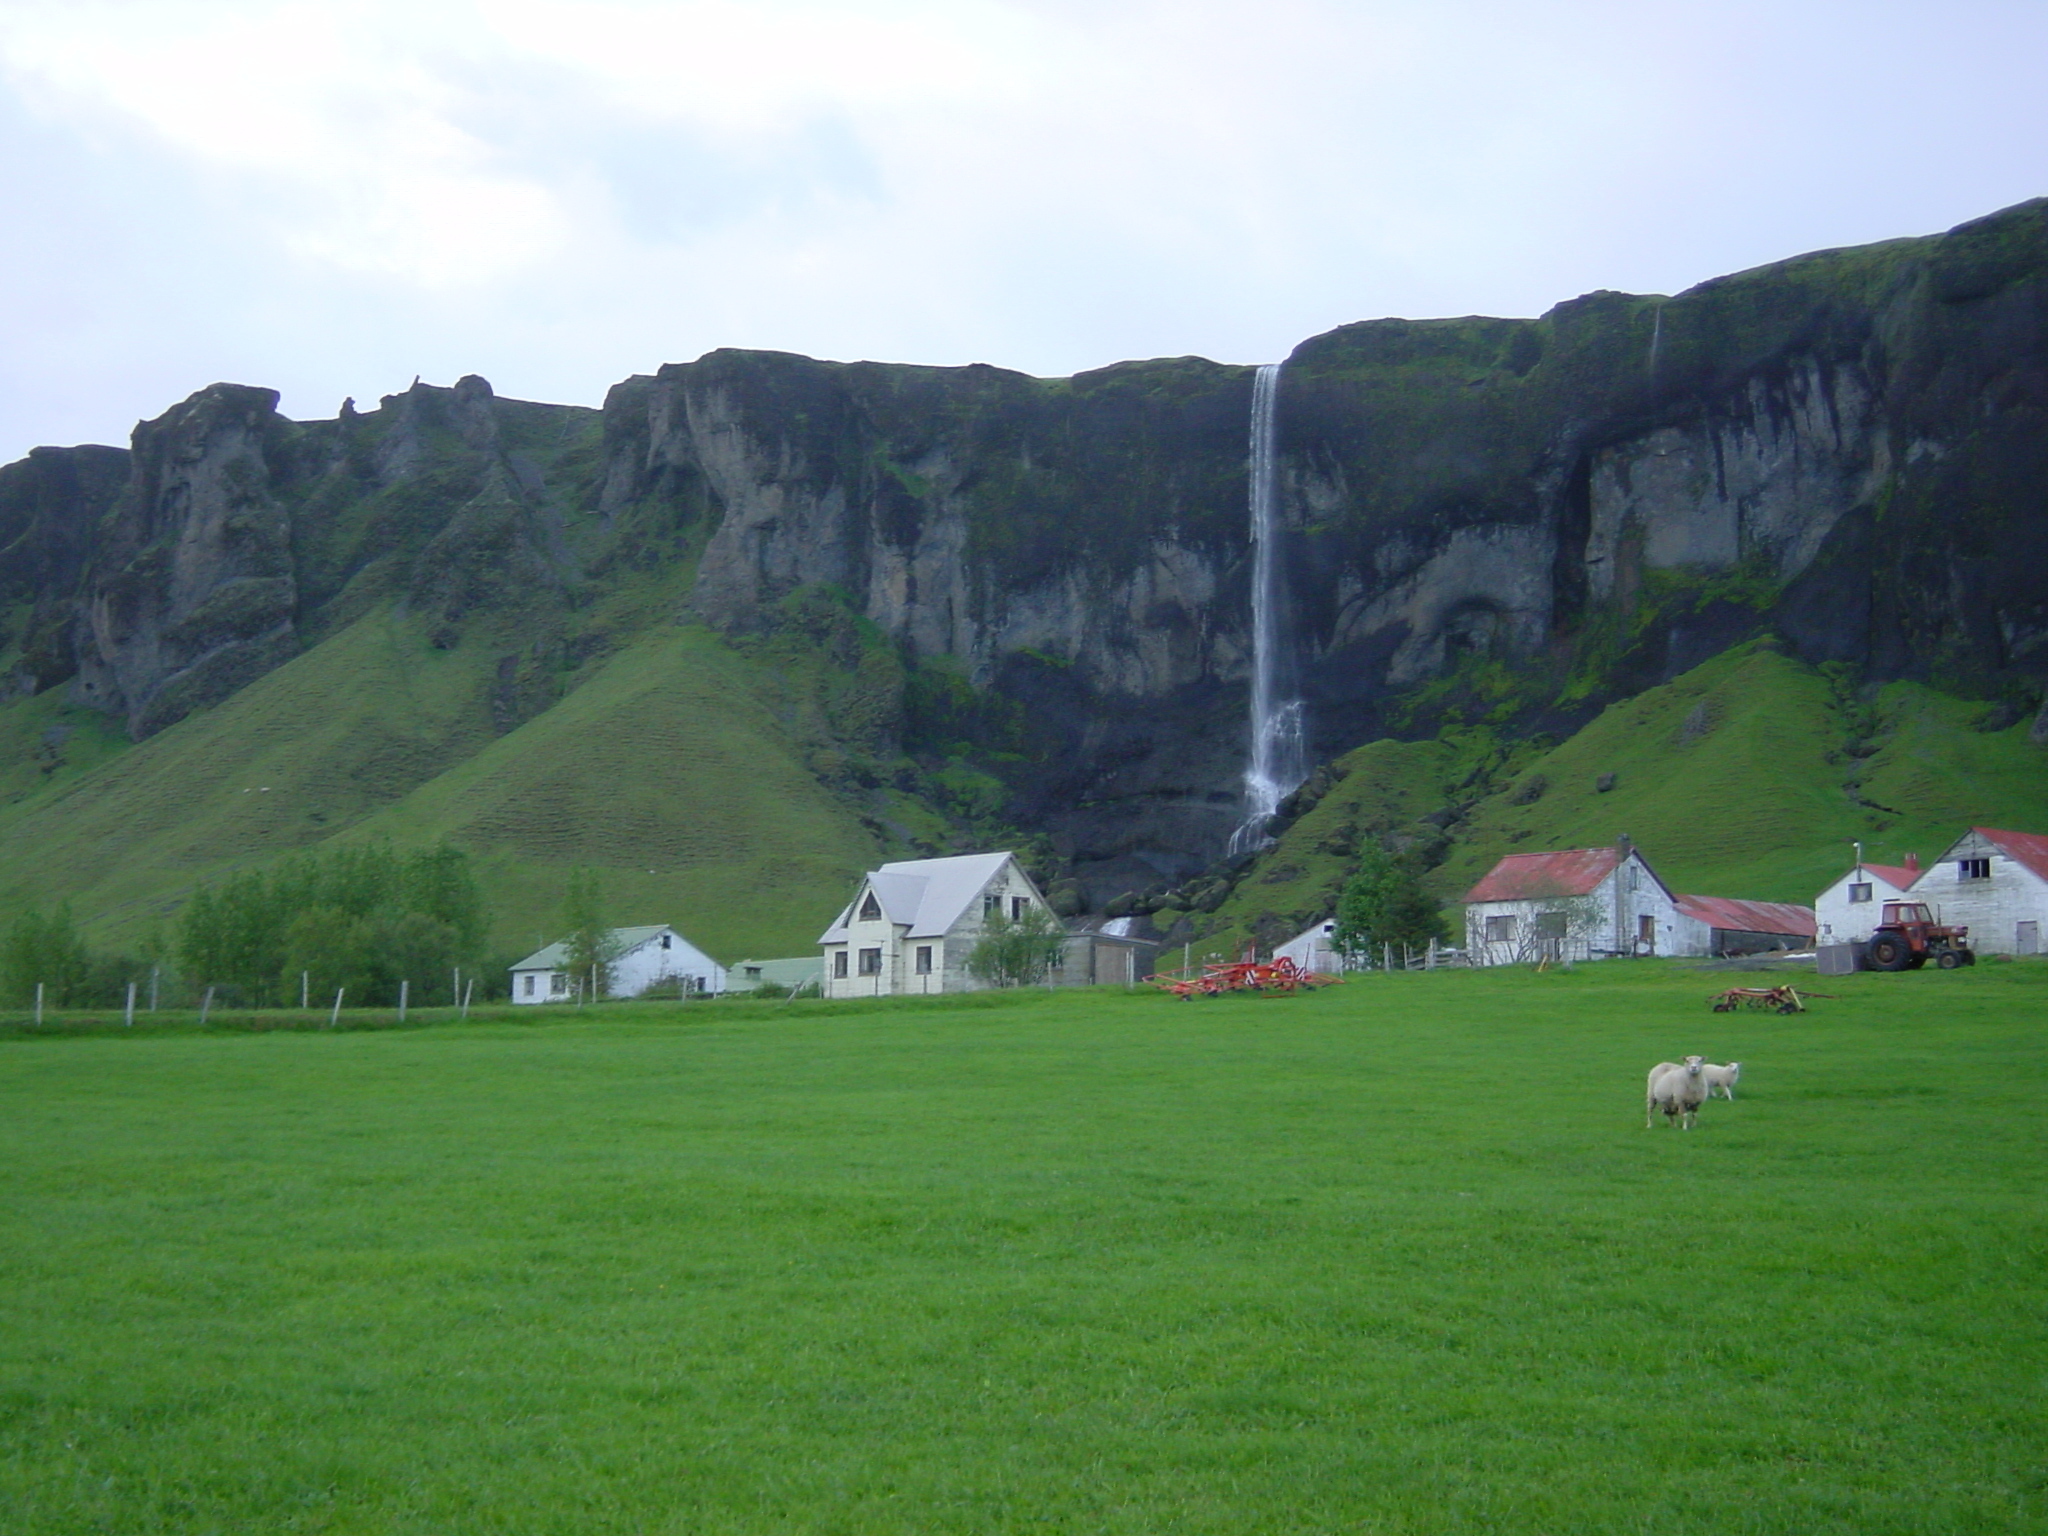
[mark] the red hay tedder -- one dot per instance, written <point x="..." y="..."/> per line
<point x="1269" y="978"/>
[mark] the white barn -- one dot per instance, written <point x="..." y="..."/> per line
<point x="1314" y="948"/>
<point x="1576" y="904"/>
<point x="1848" y="910"/>
<point x="645" y="957"/>
<point x="1995" y="882"/>
<point x="912" y="924"/>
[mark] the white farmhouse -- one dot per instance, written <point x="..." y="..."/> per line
<point x="1849" y="909"/>
<point x="912" y="924"/>
<point x="1576" y="904"/>
<point x="1995" y="882"/>
<point x="645" y="958"/>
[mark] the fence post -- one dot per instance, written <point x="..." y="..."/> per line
<point x="455" y="995"/>
<point x="39" y="1005"/>
<point x="205" y="1003"/>
<point x="334" y="1018"/>
<point x="130" y="1019"/>
<point x="305" y="989"/>
<point x="404" y="995"/>
<point x="467" y="994"/>
<point x="155" y="972"/>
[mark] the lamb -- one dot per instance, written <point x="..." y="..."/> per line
<point x="1722" y="1080"/>
<point x="1676" y="1088"/>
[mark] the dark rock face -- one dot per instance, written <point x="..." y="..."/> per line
<point x="1850" y="447"/>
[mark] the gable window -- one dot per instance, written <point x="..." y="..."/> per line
<point x="664" y="941"/>
<point x="990" y="905"/>
<point x="1973" y="869"/>
<point x="1500" y="930"/>
<point x="870" y="909"/>
<point x="1018" y="906"/>
<point x="839" y="963"/>
<point x="1859" y="892"/>
<point x="924" y="959"/>
<point x="871" y="962"/>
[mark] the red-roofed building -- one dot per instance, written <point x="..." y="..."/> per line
<point x="1571" y="904"/>
<point x="1722" y="925"/>
<point x="1996" y="883"/>
<point x="1846" y="911"/>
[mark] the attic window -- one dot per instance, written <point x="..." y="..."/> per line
<point x="664" y="941"/>
<point x="990" y="905"/>
<point x="1973" y="869"/>
<point x="1018" y="906"/>
<point x="870" y="909"/>
<point x="1859" y="892"/>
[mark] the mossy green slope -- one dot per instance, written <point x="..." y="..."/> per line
<point x="664" y="769"/>
<point x="667" y="772"/>
<point x="1748" y="776"/>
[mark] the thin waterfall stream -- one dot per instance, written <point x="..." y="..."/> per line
<point x="1276" y="766"/>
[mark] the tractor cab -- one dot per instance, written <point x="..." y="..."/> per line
<point x="1898" y="914"/>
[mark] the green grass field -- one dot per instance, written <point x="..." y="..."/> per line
<point x="1396" y="1257"/>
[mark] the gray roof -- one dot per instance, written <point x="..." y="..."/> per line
<point x="926" y="895"/>
<point x="624" y="942"/>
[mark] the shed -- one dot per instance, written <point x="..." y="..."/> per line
<point x="644" y="957"/>
<point x="1722" y="925"/>
<point x="1847" y="911"/>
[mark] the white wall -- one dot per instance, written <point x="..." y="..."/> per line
<point x="1842" y="921"/>
<point x="1993" y="908"/>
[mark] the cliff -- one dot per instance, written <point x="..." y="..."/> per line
<point x="1514" y="521"/>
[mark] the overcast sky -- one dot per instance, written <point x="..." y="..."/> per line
<point x="331" y="196"/>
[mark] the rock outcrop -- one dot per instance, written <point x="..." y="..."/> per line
<point x="1851" y="447"/>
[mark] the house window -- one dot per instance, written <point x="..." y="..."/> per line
<point x="871" y="962"/>
<point x="924" y="959"/>
<point x="839" y="963"/>
<point x="990" y="905"/>
<point x="1500" y="930"/>
<point x="529" y="986"/>
<point x="1646" y="929"/>
<point x="1018" y="904"/>
<point x="870" y="909"/>
<point x="1859" y="893"/>
<point x="1550" y="925"/>
<point x="753" y="972"/>
<point x="1973" y="869"/>
<point x="664" y="941"/>
<point x="558" y="985"/>
<point x="1629" y="882"/>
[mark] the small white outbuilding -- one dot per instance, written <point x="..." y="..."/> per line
<point x="644" y="957"/>
<point x="1848" y="910"/>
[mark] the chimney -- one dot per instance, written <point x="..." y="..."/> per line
<point x="1623" y="847"/>
<point x="1913" y="862"/>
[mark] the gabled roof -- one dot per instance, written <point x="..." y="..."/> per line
<point x="1569" y="872"/>
<point x="1898" y="876"/>
<point x="1750" y="916"/>
<point x="624" y="942"/>
<point x="2028" y="849"/>
<point x="926" y="895"/>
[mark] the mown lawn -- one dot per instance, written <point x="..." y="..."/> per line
<point x="1398" y="1257"/>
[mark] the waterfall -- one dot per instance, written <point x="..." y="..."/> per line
<point x="1276" y="756"/>
<point x="1656" y="340"/>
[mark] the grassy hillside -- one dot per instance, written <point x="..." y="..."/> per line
<point x="1097" y="1263"/>
<point x="1749" y="776"/>
<point x="662" y="767"/>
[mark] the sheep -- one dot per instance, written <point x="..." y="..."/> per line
<point x="1722" y="1080"/>
<point x="1677" y="1089"/>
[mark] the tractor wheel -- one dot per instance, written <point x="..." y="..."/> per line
<point x="1889" y="952"/>
<point x="1949" y="960"/>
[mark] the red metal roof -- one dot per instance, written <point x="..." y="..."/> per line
<point x="2028" y="848"/>
<point x="1525" y="876"/>
<point x="1898" y="876"/>
<point x="1750" y="916"/>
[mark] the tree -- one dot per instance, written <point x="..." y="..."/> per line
<point x="591" y="946"/>
<point x="1384" y="903"/>
<point x="43" y="947"/>
<point x="1020" y="951"/>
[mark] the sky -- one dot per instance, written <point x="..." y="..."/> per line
<point x="331" y="197"/>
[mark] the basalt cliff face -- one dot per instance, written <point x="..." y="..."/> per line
<point x="1850" y="448"/>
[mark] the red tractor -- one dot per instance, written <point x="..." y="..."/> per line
<point x="1909" y="937"/>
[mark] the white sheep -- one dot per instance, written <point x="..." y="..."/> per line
<point x="1677" y="1089"/>
<point x="1722" y="1080"/>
